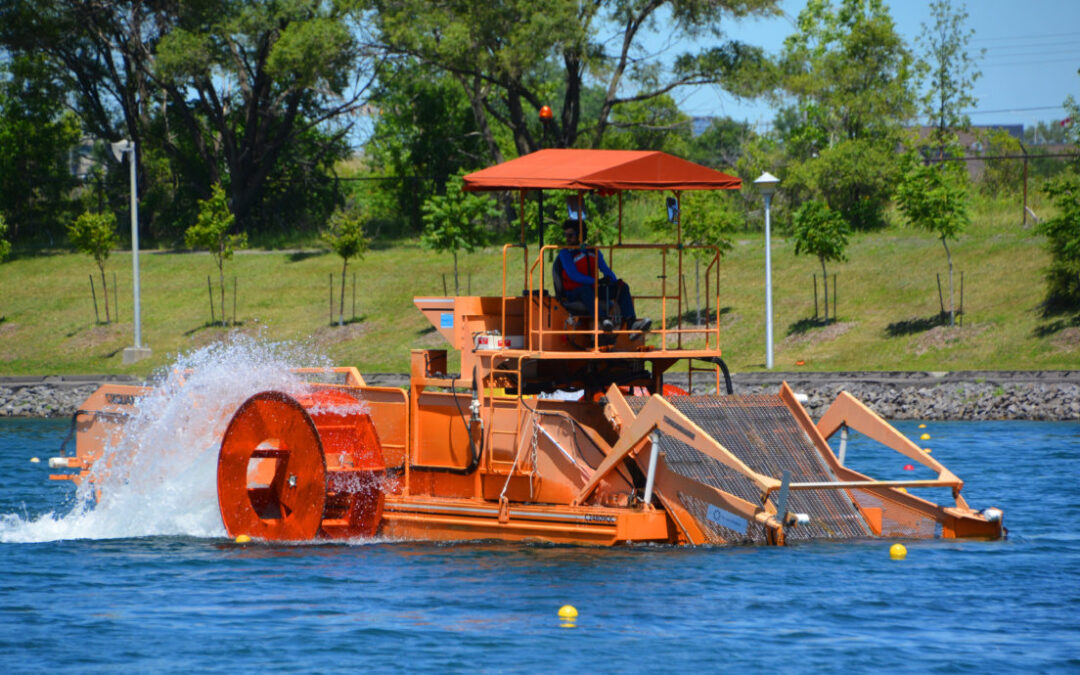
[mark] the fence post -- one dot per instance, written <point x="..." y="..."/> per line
<point x="331" y="298"/>
<point x="961" y="298"/>
<point x="834" y="297"/>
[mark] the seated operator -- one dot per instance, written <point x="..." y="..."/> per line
<point x="578" y="270"/>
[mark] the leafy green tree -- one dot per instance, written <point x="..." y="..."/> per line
<point x="345" y="237"/>
<point x="37" y="135"/>
<point x="708" y="218"/>
<point x="5" y="245"/>
<point x="721" y="144"/>
<point x="511" y="57"/>
<point x="1063" y="239"/>
<point x="211" y="232"/>
<point x="822" y="232"/>
<point x="95" y="235"/>
<point x="1005" y="176"/>
<point x="455" y="221"/>
<point x="851" y="77"/>
<point x="934" y="197"/>
<point x="1063" y="230"/>
<point x="951" y="71"/>
<point x="656" y="124"/>
<point x="227" y="92"/>
<point x="424" y="133"/>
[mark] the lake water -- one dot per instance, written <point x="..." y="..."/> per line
<point x="159" y="588"/>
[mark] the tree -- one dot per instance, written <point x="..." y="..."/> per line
<point x="424" y="133"/>
<point x="245" y="81"/>
<point x="346" y="238"/>
<point x="708" y="218"/>
<point x="951" y="71"/>
<point x="1063" y="230"/>
<point x="820" y="231"/>
<point x="37" y="135"/>
<point x="95" y="235"/>
<point x="211" y="232"/>
<point x="221" y="89"/>
<point x="721" y="144"/>
<point x="5" y="245"/>
<point x="511" y="57"/>
<point x="934" y="197"/>
<point x="850" y="75"/>
<point x="455" y="221"/>
<point x="1063" y="240"/>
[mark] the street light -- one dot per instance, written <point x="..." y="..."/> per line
<point x="119" y="149"/>
<point x="766" y="184"/>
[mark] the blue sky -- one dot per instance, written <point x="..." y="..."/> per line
<point x="1030" y="65"/>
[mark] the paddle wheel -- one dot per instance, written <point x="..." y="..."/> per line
<point x="299" y="468"/>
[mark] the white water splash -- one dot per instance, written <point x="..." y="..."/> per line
<point x="160" y="478"/>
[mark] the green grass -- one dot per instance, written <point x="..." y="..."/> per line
<point x="888" y="304"/>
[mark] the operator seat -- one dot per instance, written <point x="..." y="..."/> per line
<point x="574" y="308"/>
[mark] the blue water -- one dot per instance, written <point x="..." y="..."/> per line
<point x="198" y="602"/>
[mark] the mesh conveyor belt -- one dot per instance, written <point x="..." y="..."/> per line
<point x="762" y="432"/>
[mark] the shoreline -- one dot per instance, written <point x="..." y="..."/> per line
<point x="895" y="395"/>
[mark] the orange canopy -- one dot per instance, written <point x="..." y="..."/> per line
<point x="600" y="170"/>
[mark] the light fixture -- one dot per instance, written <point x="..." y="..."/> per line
<point x="766" y="184"/>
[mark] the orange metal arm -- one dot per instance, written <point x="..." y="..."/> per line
<point x="659" y="414"/>
<point x="846" y="409"/>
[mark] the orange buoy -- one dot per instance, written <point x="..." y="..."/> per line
<point x="293" y="469"/>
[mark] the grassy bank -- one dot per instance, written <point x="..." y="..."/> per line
<point x="888" y="304"/>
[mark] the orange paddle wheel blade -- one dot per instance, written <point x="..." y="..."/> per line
<point x="297" y="469"/>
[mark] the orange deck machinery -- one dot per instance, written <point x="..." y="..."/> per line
<point x="554" y="429"/>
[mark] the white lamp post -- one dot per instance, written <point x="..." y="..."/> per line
<point x="119" y="149"/>
<point x="766" y="184"/>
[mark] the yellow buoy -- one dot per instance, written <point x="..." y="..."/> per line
<point x="924" y="437"/>
<point x="927" y="450"/>
<point x="567" y="612"/>
<point x="35" y="460"/>
<point x="243" y="539"/>
<point x="900" y="489"/>
<point x="922" y="426"/>
<point x="897" y="551"/>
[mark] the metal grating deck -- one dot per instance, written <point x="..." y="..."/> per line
<point x="762" y="432"/>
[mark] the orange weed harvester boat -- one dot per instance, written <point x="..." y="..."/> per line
<point x="496" y="452"/>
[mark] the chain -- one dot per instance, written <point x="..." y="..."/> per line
<point x="535" y="439"/>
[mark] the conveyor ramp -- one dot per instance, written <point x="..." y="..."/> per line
<point x="763" y="432"/>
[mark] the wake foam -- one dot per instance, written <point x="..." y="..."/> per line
<point x="160" y="478"/>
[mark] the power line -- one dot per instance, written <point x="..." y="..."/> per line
<point x="1075" y="59"/>
<point x="1008" y="38"/>
<point x="1029" y="45"/>
<point x="1012" y="110"/>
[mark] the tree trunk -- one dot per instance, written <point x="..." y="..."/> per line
<point x="105" y="290"/>
<point x="341" y="313"/>
<point x="825" y="280"/>
<point x="948" y="256"/>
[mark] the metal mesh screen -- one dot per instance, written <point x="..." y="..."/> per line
<point x="762" y="432"/>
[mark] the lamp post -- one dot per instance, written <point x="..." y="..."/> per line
<point x="138" y="351"/>
<point x="766" y="184"/>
